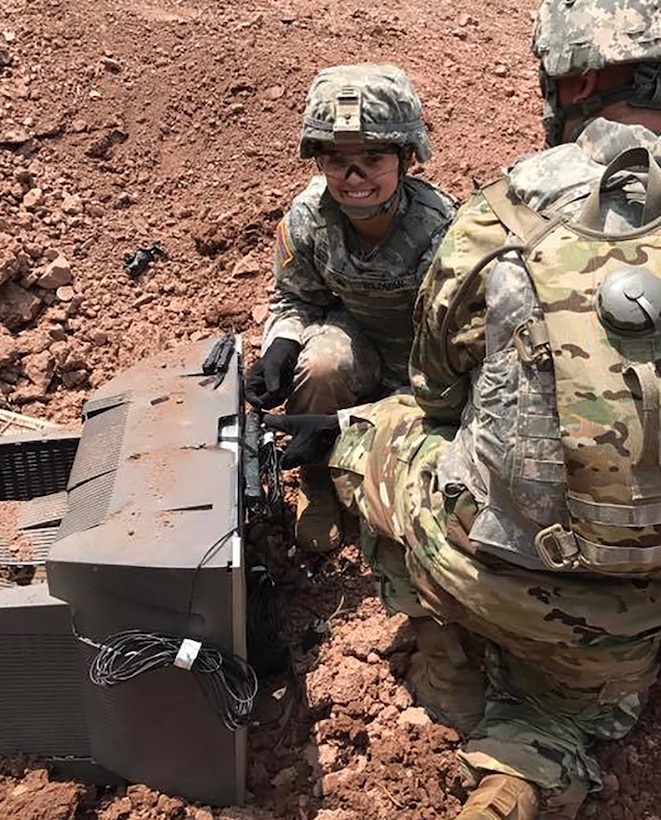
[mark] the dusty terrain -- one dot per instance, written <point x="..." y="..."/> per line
<point x="135" y="121"/>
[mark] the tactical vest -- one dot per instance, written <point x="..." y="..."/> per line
<point x="567" y="401"/>
<point x="379" y="291"/>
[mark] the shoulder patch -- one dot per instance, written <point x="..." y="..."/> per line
<point x="284" y="250"/>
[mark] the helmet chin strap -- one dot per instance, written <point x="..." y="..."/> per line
<point x="644" y="92"/>
<point x="370" y="211"/>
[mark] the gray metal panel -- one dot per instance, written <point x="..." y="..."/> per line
<point x="88" y="505"/>
<point x="94" y="405"/>
<point x="100" y="445"/>
<point x="46" y="509"/>
<point x="41" y="708"/>
<point x="158" y="729"/>
<point x="175" y="491"/>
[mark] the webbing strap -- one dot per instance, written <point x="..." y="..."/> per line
<point x="647" y="514"/>
<point x="516" y="216"/>
<point x="562" y="550"/>
<point x="645" y="374"/>
<point x="627" y="160"/>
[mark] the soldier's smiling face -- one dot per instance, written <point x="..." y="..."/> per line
<point x="359" y="173"/>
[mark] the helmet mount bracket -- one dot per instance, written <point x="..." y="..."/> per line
<point x="347" y="115"/>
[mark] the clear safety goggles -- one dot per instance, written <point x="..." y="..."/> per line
<point x="368" y="164"/>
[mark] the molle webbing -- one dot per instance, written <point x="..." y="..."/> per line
<point x="607" y="393"/>
<point x="607" y="385"/>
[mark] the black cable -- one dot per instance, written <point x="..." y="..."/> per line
<point x="267" y="651"/>
<point x="228" y="681"/>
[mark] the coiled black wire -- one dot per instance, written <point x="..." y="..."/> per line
<point x="267" y="650"/>
<point x="228" y="681"/>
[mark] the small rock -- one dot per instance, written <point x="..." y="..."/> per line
<point x="327" y="755"/>
<point x="79" y="126"/>
<point x="14" y="136"/>
<point x="145" y="299"/>
<point x="611" y="785"/>
<point x="285" y="778"/>
<point x="111" y="65"/>
<point x="33" y="198"/>
<point x="58" y="333"/>
<point x="202" y="814"/>
<point x="236" y="108"/>
<point x="275" y="92"/>
<point x="56" y="274"/>
<point x="65" y="293"/>
<point x="99" y="338"/>
<point x="170" y="806"/>
<point x="259" y="313"/>
<point x="9" y="36"/>
<point x="39" y="369"/>
<point x="71" y="204"/>
<point x="94" y="95"/>
<point x="500" y="71"/>
<point x="17" y="306"/>
<point x="17" y="791"/>
<point x="246" y="266"/>
<point x="414" y="716"/>
<point x="75" y="378"/>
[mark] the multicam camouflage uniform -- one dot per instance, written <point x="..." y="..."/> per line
<point x="570" y="655"/>
<point x="351" y="309"/>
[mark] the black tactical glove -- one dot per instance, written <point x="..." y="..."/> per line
<point x="312" y="440"/>
<point x="269" y="381"/>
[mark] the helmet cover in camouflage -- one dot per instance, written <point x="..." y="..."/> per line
<point x="572" y="36"/>
<point x="380" y="99"/>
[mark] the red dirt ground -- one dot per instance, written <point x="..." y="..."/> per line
<point x="128" y="122"/>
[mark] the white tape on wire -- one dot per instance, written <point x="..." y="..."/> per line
<point x="188" y="651"/>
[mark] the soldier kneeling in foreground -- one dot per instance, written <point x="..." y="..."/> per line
<point x="517" y="497"/>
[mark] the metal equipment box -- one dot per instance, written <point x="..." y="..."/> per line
<point x="41" y="708"/>
<point x="152" y="541"/>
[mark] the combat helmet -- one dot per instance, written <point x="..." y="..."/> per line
<point x="574" y="36"/>
<point x="363" y="102"/>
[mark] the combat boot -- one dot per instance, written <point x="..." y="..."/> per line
<point x="318" y="515"/>
<point x="502" y="797"/>
<point x="445" y="675"/>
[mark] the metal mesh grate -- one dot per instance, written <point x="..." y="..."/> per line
<point x="48" y="509"/>
<point x="41" y="540"/>
<point x="88" y="505"/>
<point x="100" y="446"/>
<point x="33" y="467"/>
<point x="97" y="405"/>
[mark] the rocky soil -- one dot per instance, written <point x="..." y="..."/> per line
<point x="129" y="122"/>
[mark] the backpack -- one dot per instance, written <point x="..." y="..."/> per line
<point x="567" y="401"/>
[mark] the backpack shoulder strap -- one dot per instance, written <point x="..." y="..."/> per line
<point x="517" y="217"/>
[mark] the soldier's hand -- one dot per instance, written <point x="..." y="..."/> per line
<point x="312" y="437"/>
<point x="269" y="381"/>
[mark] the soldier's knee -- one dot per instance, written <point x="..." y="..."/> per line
<point x="322" y="366"/>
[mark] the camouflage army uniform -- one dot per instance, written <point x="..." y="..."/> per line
<point x="351" y="309"/>
<point x="569" y="656"/>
